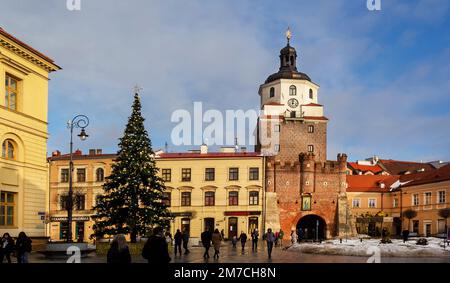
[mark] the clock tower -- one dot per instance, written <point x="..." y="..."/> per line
<point x="304" y="191"/>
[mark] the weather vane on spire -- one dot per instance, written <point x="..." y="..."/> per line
<point x="137" y="89"/>
<point x="288" y="34"/>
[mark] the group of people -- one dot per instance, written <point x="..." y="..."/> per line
<point x="19" y="248"/>
<point x="298" y="236"/>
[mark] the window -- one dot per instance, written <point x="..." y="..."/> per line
<point x="292" y="90"/>
<point x="311" y="94"/>
<point x="100" y="175"/>
<point x="186" y="199"/>
<point x="441" y="198"/>
<point x="233" y="174"/>
<point x="166" y="198"/>
<point x="63" y="230"/>
<point x="8" y="149"/>
<point x="7" y="208"/>
<point x="416" y="226"/>
<point x="441" y="226"/>
<point x="81" y="175"/>
<point x="64" y="202"/>
<point x="310" y="148"/>
<point x="166" y="175"/>
<point x="97" y="199"/>
<point x="253" y="173"/>
<point x="64" y="175"/>
<point x="427" y="198"/>
<point x="11" y="92"/>
<point x="80" y="202"/>
<point x="253" y="198"/>
<point x="277" y="128"/>
<point x="209" y="198"/>
<point x="310" y="129"/>
<point x="416" y="199"/>
<point x="372" y="203"/>
<point x="186" y="174"/>
<point x="210" y="174"/>
<point x="272" y="92"/>
<point x="233" y="198"/>
<point x="356" y="203"/>
<point x="395" y="204"/>
<point x="277" y="148"/>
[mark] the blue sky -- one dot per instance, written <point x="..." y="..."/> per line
<point x="383" y="74"/>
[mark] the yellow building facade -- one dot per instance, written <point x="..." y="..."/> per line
<point x="222" y="190"/>
<point x="24" y="73"/>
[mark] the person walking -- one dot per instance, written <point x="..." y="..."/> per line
<point x="234" y="241"/>
<point x="276" y="238"/>
<point x="270" y="238"/>
<point x="222" y="233"/>
<point x="243" y="239"/>
<point x="300" y="235"/>
<point x="405" y="234"/>
<point x="23" y="247"/>
<point x="186" y="241"/>
<point x="178" y="239"/>
<point x="216" y="241"/>
<point x="294" y="237"/>
<point x="6" y="247"/>
<point x="255" y="237"/>
<point x="119" y="251"/>
<point x="280" y="237"/>
<point x="206" y="238"/>
<point x="156" y="249"/>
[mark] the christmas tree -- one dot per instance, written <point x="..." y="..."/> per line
<point x="132" y="202"/>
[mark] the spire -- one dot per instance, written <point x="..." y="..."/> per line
<point x="288" y="35"/>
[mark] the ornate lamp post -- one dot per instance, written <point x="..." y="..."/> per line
<point x="79" y="121"/>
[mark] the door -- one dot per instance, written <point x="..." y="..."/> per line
<point x="185" y="225"/>
<point x="79" y="231"/>
<point x="252" y="224"/>
<point x="63" y="230"/>
<point x="427" y="229"/>
<point x="209" y="223"/>
<point x="232" y="227"/>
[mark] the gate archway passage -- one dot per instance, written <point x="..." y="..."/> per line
<point x="312" y="226"/>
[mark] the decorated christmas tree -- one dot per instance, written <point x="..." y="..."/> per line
<point x="132" y="202"/>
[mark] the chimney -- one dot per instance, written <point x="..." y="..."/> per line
<point x="99" y="151"/>
<point x="91" y="151"/>
<point x="203" y="149"/>
<point x="56" y="153"/>
<point x="78" y="152"/>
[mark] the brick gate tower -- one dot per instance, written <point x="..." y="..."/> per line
<point x="303" y="189"/>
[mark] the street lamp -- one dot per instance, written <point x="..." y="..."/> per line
<point x="79" y="121"/>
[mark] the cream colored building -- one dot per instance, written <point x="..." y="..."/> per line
<point x="221" y="190"/>
<point x="23" y="136"/>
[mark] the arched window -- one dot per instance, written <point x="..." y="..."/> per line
<point x="311" y="94"/>
<point x="8" y="149"/>
<point x="272" y="92"/>
<point x="100" y="175"/>
<point x="292" y="90"/>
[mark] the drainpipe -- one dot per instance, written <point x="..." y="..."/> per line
<point x="264" y="193"/>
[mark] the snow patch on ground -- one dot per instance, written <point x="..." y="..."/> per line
<point x="354" y="247"/>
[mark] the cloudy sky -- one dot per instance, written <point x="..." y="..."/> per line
<point x="384" y="75"/>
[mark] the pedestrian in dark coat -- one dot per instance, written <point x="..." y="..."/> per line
<point x="255" y="238"/>
<point x="178" y="240"/>
<point x="270" y="238"/>
<point x="405" y="234"/>
<point x="206" y="241"/>
<point x="216" y="240"/>
<point x="156" y="249"/>
<point x="119" y="251"/>
<point x="186" y="241"/>
<point x="243" y="239"/>
<point x="23" y="247"/>
<point x="6" y="247"/>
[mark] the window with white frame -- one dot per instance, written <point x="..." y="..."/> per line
<point x="441" y="197"/>
<point x="356" y="202"/>
<point x="372" y="203"/>
<point x="416" y="199"/>
<point x="427" y="198"/>
<point x="395" y="203"/>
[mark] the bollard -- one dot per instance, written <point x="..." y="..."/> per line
<point x="361" y="240"/>
<point x="340" y="240"/>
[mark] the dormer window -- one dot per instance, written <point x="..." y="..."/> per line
<point x="272" y="92"/>
<point x="292" y="90"/>
<point x="311" y="94"/>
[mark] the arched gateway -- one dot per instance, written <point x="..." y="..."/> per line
<point x="313" y="226"/>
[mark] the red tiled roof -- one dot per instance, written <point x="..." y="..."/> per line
<point x="208" y="155"/>
<point x="439" y="175"/>
<point x="396" y="167"/>
<point x="24" y="45"/>
<point x="312" y="104"/>
<point x="369" y="183"/>
<point x="364" y="168"/>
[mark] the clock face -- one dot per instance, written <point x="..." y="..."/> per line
<point x="293" y="102"/>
